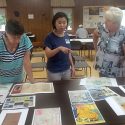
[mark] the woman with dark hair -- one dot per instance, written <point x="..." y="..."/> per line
<point x="15" y="54"/>
<point x="57" y="49"/>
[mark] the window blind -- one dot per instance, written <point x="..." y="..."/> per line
<point x="3" y="3"/>
<point x="62" y="3"/>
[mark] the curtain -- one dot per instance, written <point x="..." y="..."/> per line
<point x="3" y="3"/>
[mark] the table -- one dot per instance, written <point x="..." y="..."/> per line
<point x="72" y="36"/>
<point x="60" y="99"/>
<point x="83" y="41"/>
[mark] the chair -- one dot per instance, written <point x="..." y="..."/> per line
<point x="42" y="55"/>
<point x="78" y="58"/>
<point x="38" y="65"/>
<point x="82" y="65"/>
<point x="74" y="53"/>
<point x="31" y="36"/>
<point x="76" y="45"/>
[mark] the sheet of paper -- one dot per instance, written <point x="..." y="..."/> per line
<point x="100" y="93"/>
<point x="47" y="116"/>
<point x="117" y="103"/>
<point x="13" y="117"/>
<point x="4" y="90"/>
<point x="28" y="88"/>
<point x="122" y="88"/>
<point x="102" y="81"/>
<point x="80" y="96"/>
<point x="19" y="102"/>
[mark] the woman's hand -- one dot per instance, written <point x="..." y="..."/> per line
<point x="65" y="50"/>
<point x="72" y="71"/>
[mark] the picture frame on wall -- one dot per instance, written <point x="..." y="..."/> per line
<point x="94" y="11"/>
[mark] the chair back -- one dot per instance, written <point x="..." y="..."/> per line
<point x="76" y="45"/>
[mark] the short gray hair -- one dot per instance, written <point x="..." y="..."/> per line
<point x="114" y="14"/>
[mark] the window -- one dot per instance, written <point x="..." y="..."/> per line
<point x="2" y="19"/>
<point x="68" y="11"/>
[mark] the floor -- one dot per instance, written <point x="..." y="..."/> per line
<point x="40" y="75"/>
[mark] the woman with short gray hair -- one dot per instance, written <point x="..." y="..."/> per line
<point x="109" y="40"/>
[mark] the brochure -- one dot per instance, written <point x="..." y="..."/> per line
<point x="19" y="102"/>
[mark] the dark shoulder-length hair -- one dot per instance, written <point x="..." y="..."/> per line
<point x="14" y="27"/>
<point x="58" y="15"/>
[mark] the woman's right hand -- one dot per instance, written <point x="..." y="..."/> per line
<point x="65" y="50"/>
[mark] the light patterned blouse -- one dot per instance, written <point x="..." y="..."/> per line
<point x="110" y="59"/>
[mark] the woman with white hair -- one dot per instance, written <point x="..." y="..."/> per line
<point x="109" y="40"/>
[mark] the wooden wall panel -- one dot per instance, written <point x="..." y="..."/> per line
<point x="41" y="24"/>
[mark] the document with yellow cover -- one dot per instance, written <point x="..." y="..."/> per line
<point x="87" y="114"/>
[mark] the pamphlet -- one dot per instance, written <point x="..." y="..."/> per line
<point x="19" y="102"/>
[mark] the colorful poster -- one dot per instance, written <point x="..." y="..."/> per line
<point x="80" y="96"/>
<point x="19" y="102"/>
<point x="117" y="103"/>
<point x="101" y="81"/>
<point x="100" y="93"/>
<point x="87" y="114"/>
<point x="13" y="117"/>
<point x="47" y="116"/>
<point x="28" y="88"/>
